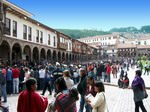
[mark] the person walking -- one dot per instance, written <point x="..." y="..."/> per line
<point x="47" y="82"/>
<point x="138" y="86"/>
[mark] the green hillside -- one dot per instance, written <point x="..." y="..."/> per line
<point x="143" y="29"/>
<point x="76" y="33"/>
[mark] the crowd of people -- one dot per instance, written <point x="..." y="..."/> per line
<point x="62" y="80"/>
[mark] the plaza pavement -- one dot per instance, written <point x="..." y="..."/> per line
<point x="118" y="100"/>
<point x="131" y="75"/>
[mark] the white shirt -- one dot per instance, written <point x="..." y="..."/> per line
<point x="69" y="82"/>
<point x="99" y="103"/>
<point x="41" y="73"/>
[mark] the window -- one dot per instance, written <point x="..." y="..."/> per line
<point x="37" y="35"/>
<point x="145" y="43"/>
<point x="54" y="41"/>
<point x="41" y="39"/>
<point x="14" y="28"/>
<point x="49" y="39"/>
<point x="69" y="45"/>
<point x="109" y="38"/>
<point x="24" y="32"/>
<point x="61" y="40"/>
<point x="29" y="33"/>
<point x="7" y="30"/>
<point x="139" y="43"/>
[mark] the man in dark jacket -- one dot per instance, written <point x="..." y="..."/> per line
<point x="56" y="74"/>
<point x="82" y="85"/>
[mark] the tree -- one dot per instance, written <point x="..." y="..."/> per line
<point x="145" y="29"/>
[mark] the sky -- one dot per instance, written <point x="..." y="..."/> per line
<point x="88" y="14"/>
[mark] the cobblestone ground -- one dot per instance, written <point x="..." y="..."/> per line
<point x="118" y="100"/>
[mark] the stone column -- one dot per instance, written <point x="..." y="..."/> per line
<point x="10" y="56"/>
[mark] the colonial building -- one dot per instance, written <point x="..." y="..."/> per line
<point x="27" y="39"/>
<point x="134" y="47"/>
<point x="106" y="44"/>
<point x="110" y="39"/>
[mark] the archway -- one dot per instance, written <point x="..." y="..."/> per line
<point x="5" y="51"/>
<point x="67" y="57"/>
<point x="36" y="54"/>
<point x="54" y="56"/>
<point x="78" y="58"/>
<point x="59" y="56"/>
<point x="42" y="55"/>
<point x="63" y="57"/>
<point x="27" y="53"/>
<point x="73" y="57"/>
<point x="70" y="57"/>
<point x="49" y="55"/>
<point x="16" y="52"/>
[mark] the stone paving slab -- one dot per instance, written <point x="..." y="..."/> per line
<point x="118" y="100"/>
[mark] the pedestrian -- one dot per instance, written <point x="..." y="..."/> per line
<point x="90" y="90"/>
<point x="56" y="73"/>
<point x="98" y="103"/>
<point x="15" y="75"/>
<point x="138" y="86"/>
<point x="47" y="82"/>
<point x="67" y="78"/>
<point x="108" y="72"/>
<point x="65" y="100"/>
<point x="41" y="77"/>
<point x="146" y="67"/>
<point x="29" y="100"/>
<point x="3" y="85"/>
<point x="82" y="85"/>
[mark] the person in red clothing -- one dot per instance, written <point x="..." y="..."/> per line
<point x="108" y="71"/>
<point x="29" y="100"/>
<point x="15" y="76"/>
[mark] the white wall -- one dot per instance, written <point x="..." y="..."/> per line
<point x="22" y="21"/>
<point x="69" y="45"/>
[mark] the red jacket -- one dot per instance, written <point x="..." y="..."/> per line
<point x="15" y="73"/>
<point x="108" y="70"/>
<point x="32" y="102"/>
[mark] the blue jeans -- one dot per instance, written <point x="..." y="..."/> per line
<point x="82" y="102"/>
<point x="4" y="92"/>
<point x="88" y="108"/>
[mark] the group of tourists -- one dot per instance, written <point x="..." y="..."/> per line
<point x="67" y="82"/>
